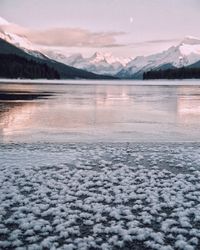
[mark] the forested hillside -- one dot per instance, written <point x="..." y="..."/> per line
<point x="176" y="73"/>
<point x="13" y="66"/>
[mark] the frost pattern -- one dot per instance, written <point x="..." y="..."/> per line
<point x="99" y="196"/>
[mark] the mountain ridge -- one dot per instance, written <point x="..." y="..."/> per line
<point x="184" y="54"/>
<point x="102" y="63"/>
<point x="65" y="72"/>
<point x="13" y="44"/>
<point x="187" y="52"/>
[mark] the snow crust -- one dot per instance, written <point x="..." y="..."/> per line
<point x="100" y="196"/>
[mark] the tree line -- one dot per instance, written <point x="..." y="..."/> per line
<point x="175" y="73"/>
<point x="14" y="66"/>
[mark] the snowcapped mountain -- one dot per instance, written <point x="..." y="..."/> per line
<point x="184" y="54"/>
<point x="101" y="63"/>
<point x="19" y="41"/>
<point x="3" y="21"/>
<point x="108" y="58"/>
<point x="14" y="47"/>
<point x="187" y="52"/>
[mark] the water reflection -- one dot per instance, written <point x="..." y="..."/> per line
<point x="100" y="112"/>
<point x="16" y="118"/>
<point x="188" y="111"/>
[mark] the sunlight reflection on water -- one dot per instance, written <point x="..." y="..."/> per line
<point x="101" y="113"/>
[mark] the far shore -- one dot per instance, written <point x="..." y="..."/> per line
<point x="136" y="82"/>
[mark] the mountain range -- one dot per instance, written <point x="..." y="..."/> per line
<point x="99" y="63"/>
<point x="186" y="53"/>
<point x="12" y="44"/>
<point x="102" y="65"/>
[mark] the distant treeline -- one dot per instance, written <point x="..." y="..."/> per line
<point x="176" y="73"/>
<point x="13" y="66"/>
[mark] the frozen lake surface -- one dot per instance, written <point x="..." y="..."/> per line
<point x="97" y="166"/>
<point x="100" y="196"/>
<point x="100" y="111"/>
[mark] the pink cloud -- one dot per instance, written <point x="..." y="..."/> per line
<point x="65" y="37"/>
<point x="73" y="37"/>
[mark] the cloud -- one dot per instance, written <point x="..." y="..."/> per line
<point x="162" y="41"/>
<point x="73" y="37"/>
<point x="66" y="37"/>
<point x="149" y="47"/>
<point x="158" y="41"/>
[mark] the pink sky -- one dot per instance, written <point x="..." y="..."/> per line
<point x="123" y="27"/>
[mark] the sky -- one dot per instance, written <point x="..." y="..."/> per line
<point x="122" y="27"/>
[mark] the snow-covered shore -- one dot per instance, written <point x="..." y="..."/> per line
<point x="100" y="196"/>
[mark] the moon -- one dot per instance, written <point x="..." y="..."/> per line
<point x="131" y="19"/>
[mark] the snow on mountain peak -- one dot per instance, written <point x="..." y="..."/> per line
<point x="108" y="58"/>
<point x="3" y="21"/>
<point x="190" y="47"/>
<point x="185" y="53"/>
<point x="99" y="62"/>
<point x="9" y="33"/>
<point x="99" y="56"/>
<point x="74" y="58"/>
<point x="191" y="40"/>
<point x="19" y="41"/>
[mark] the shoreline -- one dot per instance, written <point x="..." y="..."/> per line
<point x="117" y="82"/>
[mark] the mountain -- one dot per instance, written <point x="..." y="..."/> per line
<point x="184" y="54"/>
<point x="3" y="21"/>
<point x="187" y="52"/>
<point x="64" y="71"/>
<point x="14" y="66"/>
<point x="19" y="41"/>
<point x="14" y="44"/>
<point x="100" y="63"/>
<point x="195" y="65"/>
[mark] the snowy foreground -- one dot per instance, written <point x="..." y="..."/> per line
<point x="100" y="196"/>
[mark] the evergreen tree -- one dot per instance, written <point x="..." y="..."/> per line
<point x="13" y="66"/>
<point x="177" y="73"/>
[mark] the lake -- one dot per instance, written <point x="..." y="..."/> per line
<point x="115" y="111"/>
